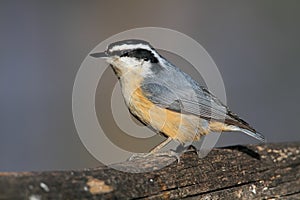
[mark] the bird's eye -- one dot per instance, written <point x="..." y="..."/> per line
<point x="146" y="55"/>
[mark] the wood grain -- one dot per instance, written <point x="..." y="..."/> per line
<point x="269" y="171"/>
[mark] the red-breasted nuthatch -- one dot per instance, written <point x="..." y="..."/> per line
<point x="165" y="98"/>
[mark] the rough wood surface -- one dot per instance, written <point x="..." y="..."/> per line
<point x="267" y="171"/>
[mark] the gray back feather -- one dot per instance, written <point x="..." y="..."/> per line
<point x="173" y="89"/>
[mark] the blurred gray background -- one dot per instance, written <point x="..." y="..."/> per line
<point x="255" y="44"/>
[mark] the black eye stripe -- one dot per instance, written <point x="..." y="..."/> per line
<point x="141" y="54"/>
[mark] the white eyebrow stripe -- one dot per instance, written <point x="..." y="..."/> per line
<point x="129" y="46"/>
<point x="134" y="46"/>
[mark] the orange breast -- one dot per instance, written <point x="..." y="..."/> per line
<point x="183" y="127"/>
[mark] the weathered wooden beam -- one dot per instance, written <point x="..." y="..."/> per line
<point x="252" y="172"/>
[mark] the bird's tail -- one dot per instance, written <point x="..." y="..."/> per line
<point x="238" y="124"/>
<point x="253" y="134"/>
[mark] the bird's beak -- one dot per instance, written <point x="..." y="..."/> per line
<point x="99" y="55"/>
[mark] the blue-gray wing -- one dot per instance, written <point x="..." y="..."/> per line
<point x="185" y="100"/>
<point x="175" y="90"/>
<point x="194" y="100"/>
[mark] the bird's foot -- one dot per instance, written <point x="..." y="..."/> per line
<point x="170" y="153"/>
<point x="200" y="152"/>
<point x="137" y="156"/>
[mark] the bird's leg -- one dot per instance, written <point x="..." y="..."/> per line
<point x="161" y="145"/>
<point x="154" y="152"/>
<point x="170" y="153"/>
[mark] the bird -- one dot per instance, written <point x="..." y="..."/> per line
<point x="166" y="99"/>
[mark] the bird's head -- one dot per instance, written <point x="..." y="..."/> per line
<point x="130" y="55"/>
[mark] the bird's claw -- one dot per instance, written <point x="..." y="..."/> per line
<point x="170" y="153"/>
<point x="136" y="156"/>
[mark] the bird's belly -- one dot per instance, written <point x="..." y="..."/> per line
<point x="183" y="127"/>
